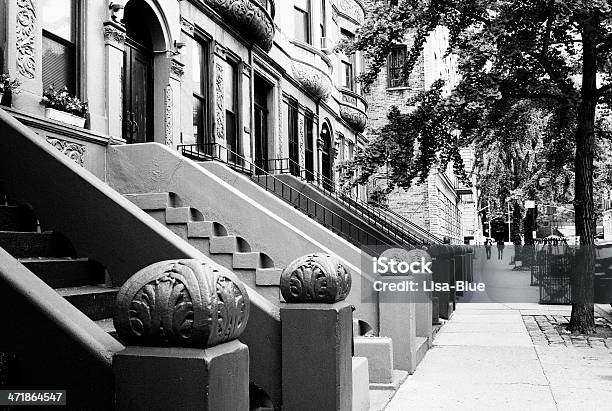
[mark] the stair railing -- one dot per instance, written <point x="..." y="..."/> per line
<point x="272" y="184"/>
<point x="288" y="166"/>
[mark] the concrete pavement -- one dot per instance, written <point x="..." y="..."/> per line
<point x="484" y="359"/>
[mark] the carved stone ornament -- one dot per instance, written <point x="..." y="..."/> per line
<point x="314" y="80"/>
<point x="181" y="303"/>
<point x="301" y="137"/>
<point x="113" y="35"/>
<point x="249" y="17"/>
<point x="316" y="278"/>
<point x="187" y="26"/>
<point x="168" y="102"/>
<point x="356" y="118"/>
<point x="220" y="102"/>
<point x="74" y="151"/>
<point x="352" y="9"/>
<point x="177" y="68"/>
<point x="26" y="33"/>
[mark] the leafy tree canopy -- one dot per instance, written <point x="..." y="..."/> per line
<point x="522" y="65"/>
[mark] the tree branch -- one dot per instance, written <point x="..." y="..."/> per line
<point x="566" y="88"/>
<point x="603" y="89"/>
<point x="548" y="29"/>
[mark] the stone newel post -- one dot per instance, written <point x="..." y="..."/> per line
<point x="317" y="334"/>
<point x="180" y="320"/>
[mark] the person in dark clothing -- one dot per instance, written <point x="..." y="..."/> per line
<point x="488" y="244"/>
<point x="500" y="249"/>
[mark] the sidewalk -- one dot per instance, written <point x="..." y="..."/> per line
<point x="484" y="359"/>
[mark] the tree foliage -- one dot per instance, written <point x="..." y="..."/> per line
<point x="516" y="60"/>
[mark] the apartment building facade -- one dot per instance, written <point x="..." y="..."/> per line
<point x="254" y="81"/>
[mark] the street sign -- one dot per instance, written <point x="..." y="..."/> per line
<point x="529" y="204"/>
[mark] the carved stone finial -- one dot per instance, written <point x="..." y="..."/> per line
<point x="317" y="278"/>
<point x="181" y="303"/>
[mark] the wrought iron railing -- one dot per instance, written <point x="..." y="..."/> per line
<point x="390" y="224"/>
<point x="272" y="184"/>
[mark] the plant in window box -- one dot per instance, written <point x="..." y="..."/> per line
<point x="8" y="87"/>
<point x="61" y="106"/>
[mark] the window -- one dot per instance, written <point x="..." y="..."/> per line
<point x="294" y="146"/>
<point x="302" y="21"/>
<point x="59" y="44"/>
<point x="347" y="75"/>
<point x="231" y="110"/>
<point x="309" y="154"/>
<point x="395" y="63"/>
<point x="323" y="25"/>
<point x="199" y="59"/>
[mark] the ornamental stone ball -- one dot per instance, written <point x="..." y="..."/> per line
<point x="315" y="278"/>
<point x="181" y="303"/>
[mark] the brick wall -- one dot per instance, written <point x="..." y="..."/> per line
<point x="426" y="205"/>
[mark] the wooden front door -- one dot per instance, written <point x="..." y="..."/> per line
<point x="137" y="94"/>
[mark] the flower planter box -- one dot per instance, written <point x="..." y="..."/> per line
<point x="64" y="117"/>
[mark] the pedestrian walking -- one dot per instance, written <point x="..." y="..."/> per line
<point x="500" y="249"/>
<point x="488" y="244"/>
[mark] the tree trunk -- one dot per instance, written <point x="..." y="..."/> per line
<point x="583" y="318"/>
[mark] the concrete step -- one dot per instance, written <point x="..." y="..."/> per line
<point x="205" y="229"/>
<point x="95" y="301"/>
<point x="178" y="215"/>
<point x="66" y="272"/>
<point x="150" y="201"/>
<point x="30" y="244"/>
<point x="268" y="277"/>
<point x="252" y="260"/>
<point x="228" y="244"/>
<point x="14" y="218"/>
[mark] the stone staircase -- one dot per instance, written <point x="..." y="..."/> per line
<point x="212" y="238"/>
<point x="53" y="259"/>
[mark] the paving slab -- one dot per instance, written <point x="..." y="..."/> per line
<point x="484" y="339"/>
<point x="484" y="359"/>
<point x="474" y="397"/>
<point x="496" y="327"/>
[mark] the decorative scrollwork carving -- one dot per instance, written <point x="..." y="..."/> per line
<point x="220" y="99"/>
<point x="114" y="35"/>
<point x="352" y="9"/>
<point x="177" y="68"/>
<point x="183" y="303"/>
<point x="314" y="80"/>
<point x="249" y="17"/>
<point x="26" y="33"/>
<point x="317" y="278"/>
<point x="168" y="102"/>
<point x="356" y="119"/>
<point x="74" y="151"/>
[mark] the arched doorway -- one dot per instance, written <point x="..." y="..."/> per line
<point x="138" y="72"/>
<point x="327" y="157"/>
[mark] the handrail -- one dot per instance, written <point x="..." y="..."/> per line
<point x="330" y="219"/>
<point x="331" y="189"/>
